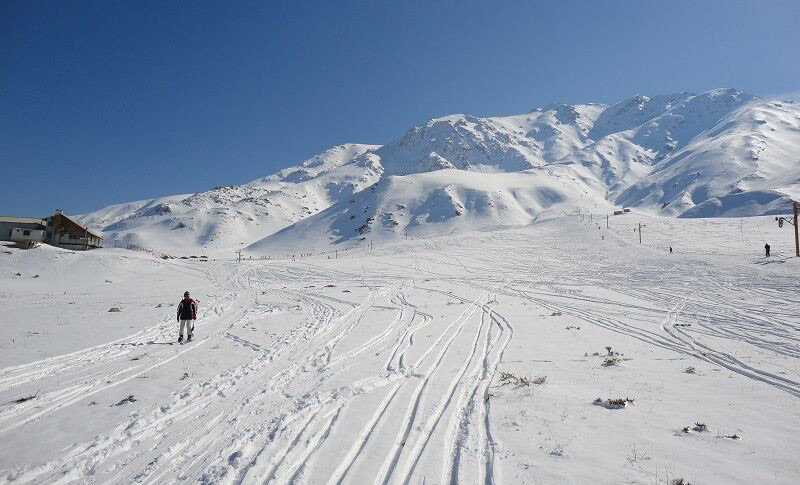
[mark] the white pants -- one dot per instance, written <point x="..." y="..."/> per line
<point x="189" y="327"/>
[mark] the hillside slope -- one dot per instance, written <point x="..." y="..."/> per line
<point x="228" y="217"/>
<point x="718" y="153"/>
<point x="436" y="203"/>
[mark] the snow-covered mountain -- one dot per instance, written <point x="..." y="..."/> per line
<point x="718" y="153"/>
<point x="231" y="217"/>
<point x="439" y="202"/>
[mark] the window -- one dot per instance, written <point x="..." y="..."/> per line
<point x="26" y="232"/>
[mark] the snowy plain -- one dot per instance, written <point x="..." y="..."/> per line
<point x="390" y="365"/>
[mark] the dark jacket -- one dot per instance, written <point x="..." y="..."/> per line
<point x="187" y="310"/>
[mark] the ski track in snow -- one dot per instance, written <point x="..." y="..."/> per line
<point x="420" y="380"/>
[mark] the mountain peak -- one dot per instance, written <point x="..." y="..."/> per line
<point x="718" y="152"/>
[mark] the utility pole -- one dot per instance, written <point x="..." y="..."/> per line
<point x="606" y="221"/>
<point x="640" y="232"/>
<point x="796" y="207"/>
<point x="239" y="252"/>
<point x="781" y="220"/>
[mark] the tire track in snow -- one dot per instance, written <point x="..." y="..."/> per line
<point x="97" y="381"/>
<point x="250" y="391"/>
<point x="723" y="359"/>
<point x="279" y="381"/>
<point x="488" y="369"/>
<point x="92" y="357"/>
<point x="131" y="431"/>
<point x="429" y="427"/>
<point x="392" y="459"/>
<point x="406" y="340"/>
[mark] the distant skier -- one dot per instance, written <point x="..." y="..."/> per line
<point x="670" y="250"/>
<point x="766" y="248"/>
<point x="187" y="314"/>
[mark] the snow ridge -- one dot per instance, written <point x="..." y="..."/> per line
<point x="714" y="154"/>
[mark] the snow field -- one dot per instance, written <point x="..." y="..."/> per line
<point x="385" y="366"/>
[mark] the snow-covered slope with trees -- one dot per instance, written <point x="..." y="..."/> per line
<point x="718" y="153"/>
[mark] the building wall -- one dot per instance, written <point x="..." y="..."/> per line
<point x="5" y="231"/>
<point x="77" y="241"/>
<point x="7" y="227"/>
<point x="18" y="234"/>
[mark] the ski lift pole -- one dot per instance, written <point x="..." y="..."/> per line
<point x="793" y="222"/>
<point x="640" y="231"/>
<point x="796" y="236"/>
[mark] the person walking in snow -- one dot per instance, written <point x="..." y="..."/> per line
<point x="766" y="248"/>
<point x="187" y="314"/>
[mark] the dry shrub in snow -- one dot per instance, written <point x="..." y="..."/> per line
<point x="699" y="427"/>
<point x="618" y="403"/>
<point x="128" y="399"/>
<point x="610" y="361"/>
<point x="509" y="378"/>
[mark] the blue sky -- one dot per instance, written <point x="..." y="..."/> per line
<point x="104" y="102"/>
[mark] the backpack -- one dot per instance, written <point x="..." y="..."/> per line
<point x="187" y="312"/>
